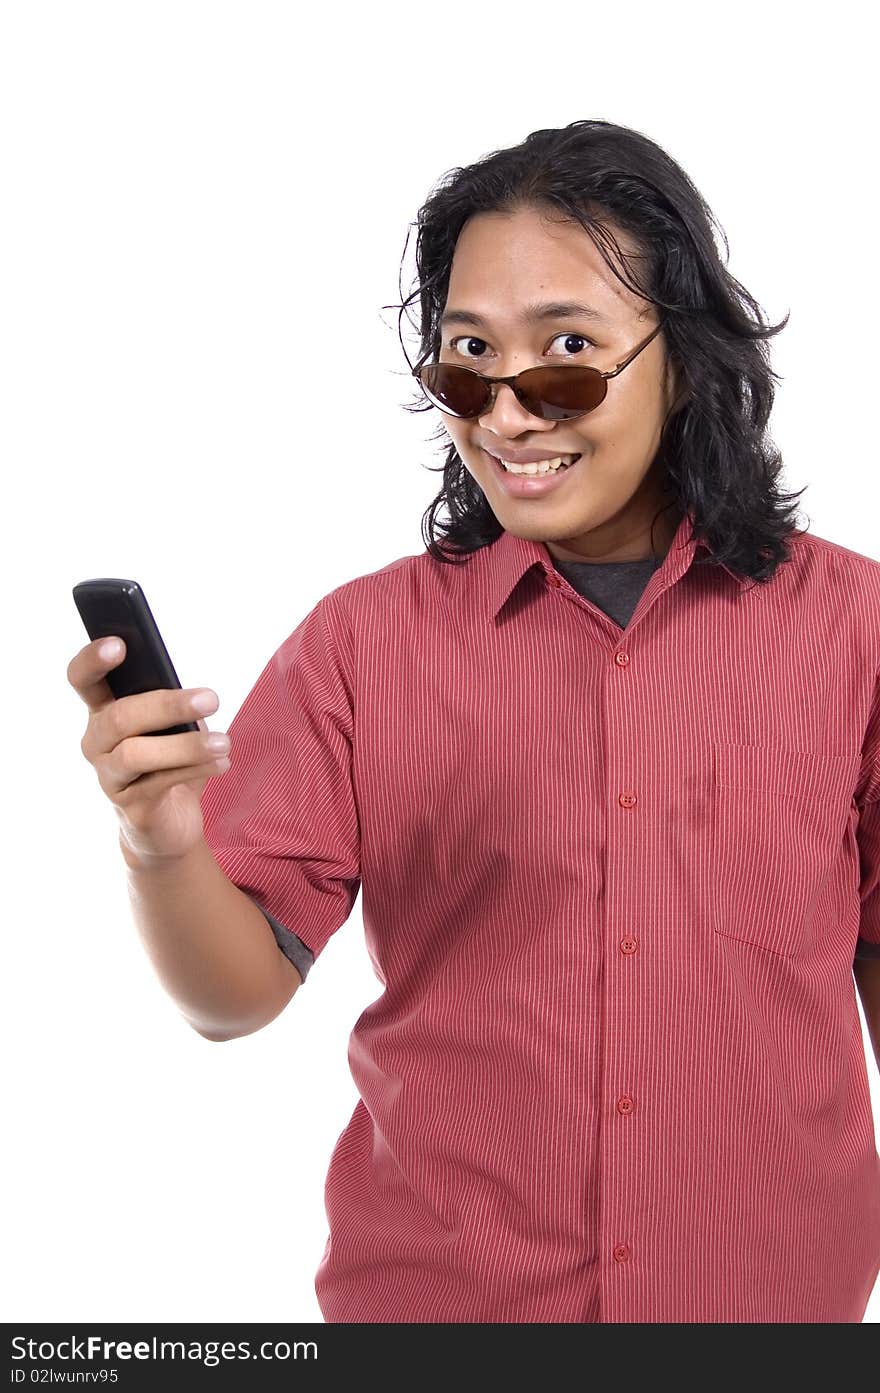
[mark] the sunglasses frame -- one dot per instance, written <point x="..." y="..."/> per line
<point x="493" y="383"/>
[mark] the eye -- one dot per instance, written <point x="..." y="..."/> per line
<point x="469" y="339"/>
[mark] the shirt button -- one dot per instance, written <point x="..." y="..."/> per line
<point x="621" y="1253"/>
<point x="554" y="579"/>
<point x="628" y="945"/>
<point x="627" y="800"/>
<point x="625" y="1105"/>
<point x="621" y="659"/>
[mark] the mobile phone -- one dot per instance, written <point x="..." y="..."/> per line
<point x="110" y="606"/>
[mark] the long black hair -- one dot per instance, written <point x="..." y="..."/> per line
<point x="717" y="462"/>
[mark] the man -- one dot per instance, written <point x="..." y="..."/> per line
<point x="607" y="805"/>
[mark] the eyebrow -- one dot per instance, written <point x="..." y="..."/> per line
<point x="532" y="313"/>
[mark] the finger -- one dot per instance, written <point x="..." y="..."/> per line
<point x="87" y="674"/>
<point x="138" y="714"/>
<point x="125" y="790"/>
<point x="128" y="761"/>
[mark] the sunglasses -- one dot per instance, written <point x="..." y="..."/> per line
<point x="553" y="394"/>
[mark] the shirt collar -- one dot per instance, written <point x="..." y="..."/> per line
<point x="509" y="558"/>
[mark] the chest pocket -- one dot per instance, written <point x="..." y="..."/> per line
<point x="779" y="818"/>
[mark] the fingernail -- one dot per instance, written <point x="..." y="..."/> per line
<point x="109" y="650"/>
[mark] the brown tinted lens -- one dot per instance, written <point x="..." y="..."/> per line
<point x="454" y="389"/>
<point x="559" y="394"/>
<point x="552" y="394"/>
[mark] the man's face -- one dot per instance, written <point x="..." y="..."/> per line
<point x="602" y="507"/>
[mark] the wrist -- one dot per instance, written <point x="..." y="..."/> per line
<point x="153" y="862"/>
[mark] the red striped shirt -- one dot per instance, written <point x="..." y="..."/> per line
<point x="613" y="883"/>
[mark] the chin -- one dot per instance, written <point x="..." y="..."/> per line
<point x="542" y="531"/>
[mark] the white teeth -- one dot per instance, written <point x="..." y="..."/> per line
<point x="544" y="466"/>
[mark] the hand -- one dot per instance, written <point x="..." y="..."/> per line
<point x="155" y="782"/>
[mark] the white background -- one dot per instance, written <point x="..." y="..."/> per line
<point x="203" y="202"/>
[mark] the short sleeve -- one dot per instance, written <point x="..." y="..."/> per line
<point x="867" y="796"/>
<point x="282" y="821"/>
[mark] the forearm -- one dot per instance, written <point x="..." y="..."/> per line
<point x="211" y="947"/>
<point x="867" y="975"/>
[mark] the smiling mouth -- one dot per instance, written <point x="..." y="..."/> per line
<point x="539" y="469"/>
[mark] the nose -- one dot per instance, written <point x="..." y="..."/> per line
<point x="507" y="417"/>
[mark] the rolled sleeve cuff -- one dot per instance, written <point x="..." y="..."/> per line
<point x="866" y="949"/>
<point x="291" y="946"/>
